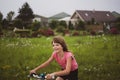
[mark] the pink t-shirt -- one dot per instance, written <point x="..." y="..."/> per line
<point x="62" y="62"/>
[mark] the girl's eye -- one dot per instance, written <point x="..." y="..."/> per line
<point x="53" y="45"/>
<point x="56" y="44"/>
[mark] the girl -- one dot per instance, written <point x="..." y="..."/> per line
<point x="69" y="66"/>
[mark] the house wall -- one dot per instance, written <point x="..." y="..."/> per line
<point x="75" y="18"/>
<point x="44" y="21"/>
<point x="96" y="28"/>
<point x="38" y="19"/>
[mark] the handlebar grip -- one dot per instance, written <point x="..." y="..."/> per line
<point x="33" y="74"/>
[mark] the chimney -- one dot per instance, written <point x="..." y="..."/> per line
<point x="93" y="10"/>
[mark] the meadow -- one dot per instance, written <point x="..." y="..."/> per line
<point x="98" y="57"/>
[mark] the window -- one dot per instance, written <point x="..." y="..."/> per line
<point x="107" y="14"/>
<point x="86" y="14"/>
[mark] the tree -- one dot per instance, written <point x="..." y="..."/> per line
<point x="80" y="25"/>
<point x="5" y="24"/>
<point x="53" y="24"/>
<point x="10" y="16"/>
<point x="18" y="23"/>
<point x="1" y="17"/>
<point x="117" y="23"/>
<point x="63" y="23"/>
<point x="26" y="15"/>
<point x="70" y="26"/>
<point x="36" y="25"/>
<point x="93" y="21"/>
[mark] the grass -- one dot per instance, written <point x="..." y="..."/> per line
<point x="97" y="57"/>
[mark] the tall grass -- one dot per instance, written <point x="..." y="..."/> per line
<point x="97" y="57"/>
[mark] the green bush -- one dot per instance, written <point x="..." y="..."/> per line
<point x="75" y="33"/>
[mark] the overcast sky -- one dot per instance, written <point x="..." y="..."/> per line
<point x="49" y="8"/>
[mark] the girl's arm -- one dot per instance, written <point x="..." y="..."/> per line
<point x="46" y="63"/>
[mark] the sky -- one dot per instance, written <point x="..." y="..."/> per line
<point x="49" y="8"/>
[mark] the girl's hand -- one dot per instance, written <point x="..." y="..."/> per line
<point x="50" y="76"/>
<point x="32" y="71"/>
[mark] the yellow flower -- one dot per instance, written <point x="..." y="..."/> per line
<point x="6" y="67"/>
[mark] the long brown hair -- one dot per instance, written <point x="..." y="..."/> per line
<point x="61" y="41"/>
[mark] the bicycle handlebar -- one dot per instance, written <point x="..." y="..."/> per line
<point x="37" y="77"/>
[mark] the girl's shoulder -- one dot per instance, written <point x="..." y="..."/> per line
<point x="68" y="54"/>
<point x="54" y="54"/>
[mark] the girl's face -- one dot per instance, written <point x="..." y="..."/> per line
<point x="57" y="47"/>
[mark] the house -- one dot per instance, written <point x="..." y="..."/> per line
<point x="99" y="17"/>
<point x="66" y="19"/>
<point x="116" y="14"/>
<point x="42" y="19"/>
<point x="58" y="16"/>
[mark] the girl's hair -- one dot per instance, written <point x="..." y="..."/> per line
<point x="61" y="41"/>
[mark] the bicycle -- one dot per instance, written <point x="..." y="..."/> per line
<point x="34" y="76"/>
<point x="42" y="76"/>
